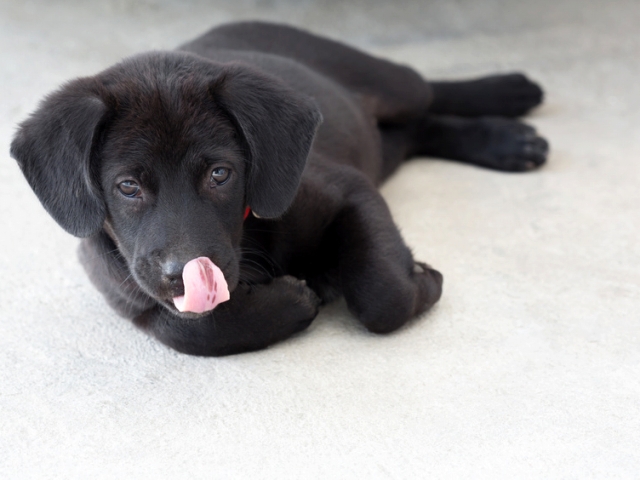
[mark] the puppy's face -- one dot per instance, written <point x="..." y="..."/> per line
<point x="164" y="152"/>
<point x="172" y="175"/>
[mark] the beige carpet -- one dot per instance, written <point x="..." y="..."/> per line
<point x="528" y="368"/>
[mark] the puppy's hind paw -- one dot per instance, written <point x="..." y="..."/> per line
<point x="506" y="95"/>
<point x="510" y="146"/>
<point x="513" y="95"/>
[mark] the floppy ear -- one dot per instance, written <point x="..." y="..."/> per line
<point x="53" y="148"/>
<point x="278" y="125"/>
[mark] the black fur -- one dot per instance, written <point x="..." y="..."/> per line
<point x="308" y="128"/>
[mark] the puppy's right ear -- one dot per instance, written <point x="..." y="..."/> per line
<point x="278" y="125"/>
<point x="54" y="147"/>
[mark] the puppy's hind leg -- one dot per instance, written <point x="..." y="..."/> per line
<point x="491" y="142"/>
<point x="510" y="95"/>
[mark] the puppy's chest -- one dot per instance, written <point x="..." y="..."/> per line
<point x="292" y="245"/>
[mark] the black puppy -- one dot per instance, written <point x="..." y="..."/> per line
<point x="155" y="160"/>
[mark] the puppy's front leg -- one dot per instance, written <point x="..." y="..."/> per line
<point x="382" y="283"/>
<point x="255" y="317"/>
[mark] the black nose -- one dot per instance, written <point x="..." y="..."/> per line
<point x="172" y="274"/>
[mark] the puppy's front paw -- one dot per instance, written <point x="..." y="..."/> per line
<point x="429" y="282"/>
<point x="302" y="302"/>
<point x="293" y="303"/>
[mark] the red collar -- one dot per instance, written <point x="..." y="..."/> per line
<point x="247" y="211"/>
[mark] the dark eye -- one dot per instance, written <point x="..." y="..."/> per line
<point x="129" y="189"/>
<point x="219" y="176"/>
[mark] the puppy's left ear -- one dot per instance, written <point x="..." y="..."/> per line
<point x="54" y="147"/>
<point x="278" y="125"/>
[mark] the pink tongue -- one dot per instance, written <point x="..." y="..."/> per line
<point x="204" y="287"/>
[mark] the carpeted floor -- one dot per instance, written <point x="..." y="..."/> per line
<point x="529" y="367"/>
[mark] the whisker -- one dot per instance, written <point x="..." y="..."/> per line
<point x="259" y="255"/>
<point x="252" y="265"/>
<point x="126" y="278"/>
<point x="104" y="254"/>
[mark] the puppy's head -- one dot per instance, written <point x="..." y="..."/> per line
<point x="164" y="152"/>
